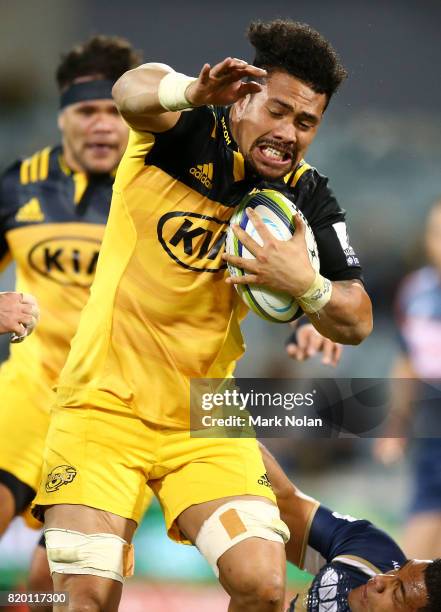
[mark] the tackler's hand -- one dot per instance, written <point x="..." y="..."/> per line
<point x="309" y="342"/>
<point x="19" y="314"/>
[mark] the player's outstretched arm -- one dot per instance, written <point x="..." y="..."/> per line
<point x="152" y="96"/>
<point x="296" y="508"/>
<point x="19" y="314"/>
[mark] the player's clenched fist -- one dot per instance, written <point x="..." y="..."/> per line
<point x="19" y="314"/>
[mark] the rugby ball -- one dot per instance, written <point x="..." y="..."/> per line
<point x="277" y="212"/>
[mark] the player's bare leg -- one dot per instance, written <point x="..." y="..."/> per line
<point x="7" y="508"/>
<point x="422" y="536"/>
<point x="252" y="571"/>
<point x="88" y="593"/>
<point x="40" y="578"/>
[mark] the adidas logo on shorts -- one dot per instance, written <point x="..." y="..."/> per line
<point x="264" y="480"/>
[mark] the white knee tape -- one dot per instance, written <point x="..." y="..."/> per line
<point x="99" y="554"/>
<point x="236" y="521"/>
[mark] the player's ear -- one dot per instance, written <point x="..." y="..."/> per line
<point x="240" y="106"/>
<point x="60" y="121"/>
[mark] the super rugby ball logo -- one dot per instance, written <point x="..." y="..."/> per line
<point x="61" y="475"/>
<point x="194" y="241"/>
<point x="66" y="260"/>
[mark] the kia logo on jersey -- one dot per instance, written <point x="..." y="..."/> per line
<point x="66" y="260"/>
<point x="194" y="241"/>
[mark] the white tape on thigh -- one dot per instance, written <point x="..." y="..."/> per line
<point x="99" y="554"/>
<point x="237" y="521"/>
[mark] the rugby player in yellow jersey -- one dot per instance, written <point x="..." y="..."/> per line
<point x="161" y="313"/>
<point x="53" y="208"/>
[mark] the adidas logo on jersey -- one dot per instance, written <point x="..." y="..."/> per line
<point x="35" y="168"/>
<point x="30" y="212"/>
<point x="264" y="480"/>
<point x="204" y="174"/>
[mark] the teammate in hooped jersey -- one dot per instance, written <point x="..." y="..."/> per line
<point x="53" y="209"/>
<point x="161" y="313"/>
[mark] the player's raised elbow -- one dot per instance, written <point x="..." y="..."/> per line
<point x="122" y="88"/>
<point x="135" y="92"/>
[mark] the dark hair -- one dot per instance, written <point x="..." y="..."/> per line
<point x="106" y="56"/>
<point x="299" y="50"/>
<point x="432" y="578"/>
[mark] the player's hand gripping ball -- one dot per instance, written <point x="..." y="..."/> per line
<point x="277" y="213"/>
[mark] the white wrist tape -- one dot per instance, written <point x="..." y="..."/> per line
<point x="171" y="92"/>
<point x="317" y="296"/>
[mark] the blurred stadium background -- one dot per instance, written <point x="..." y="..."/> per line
<point x="380" y="146"/>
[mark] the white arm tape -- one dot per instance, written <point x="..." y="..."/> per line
<point x="236" y="521"/>
<point x="171" y="91"/>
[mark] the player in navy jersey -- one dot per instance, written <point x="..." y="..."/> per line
<point x="356" y="566"/>
<point x="417" y="402"/>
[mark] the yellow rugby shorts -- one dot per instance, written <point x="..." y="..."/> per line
<point x="24" y="420"/>
<point x="103" y="458"/>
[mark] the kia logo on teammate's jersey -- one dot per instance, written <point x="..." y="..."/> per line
<point x="66" y="260"/>
<point x="194" y="241"/>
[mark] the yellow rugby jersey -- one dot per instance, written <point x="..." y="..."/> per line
<point x="160" y="312"/>
<point x="51" y="224"/>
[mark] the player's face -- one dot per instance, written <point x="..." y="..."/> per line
<point x="402" y="590"/>
<point x="274" y="128"/>
<point x="433" y="237"/>
<point x="94" y="136"/>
